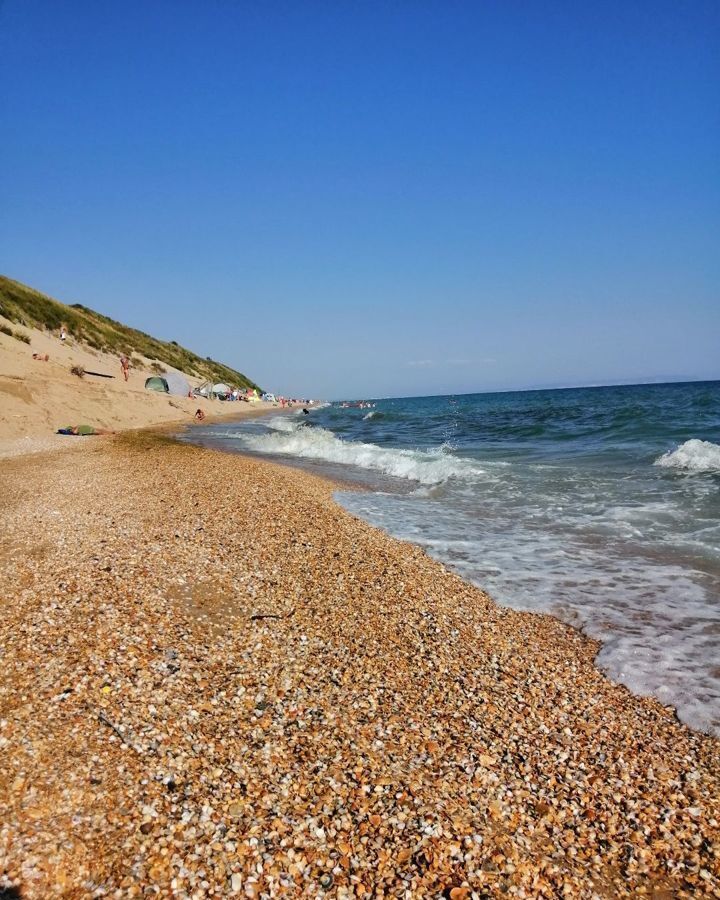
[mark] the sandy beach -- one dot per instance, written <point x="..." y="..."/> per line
<point x="450" y="630"/>
<point x="39" y="396"/>
<point x="217" y="682"/>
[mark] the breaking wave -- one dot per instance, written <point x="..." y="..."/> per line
<point x="292" y="438"/>
<point x="282" y="423"/>
<point x="693" y="456"/>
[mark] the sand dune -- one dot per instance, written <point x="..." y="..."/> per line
<point x="38" y="397"/>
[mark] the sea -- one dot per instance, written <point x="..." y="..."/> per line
<point x="598" y="505"/>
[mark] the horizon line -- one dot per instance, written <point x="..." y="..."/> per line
<point x="564" y="387"/>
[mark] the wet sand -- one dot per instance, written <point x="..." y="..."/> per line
<point x="216" y="681"/>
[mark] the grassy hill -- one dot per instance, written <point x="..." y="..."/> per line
<point x="25" y="306"/>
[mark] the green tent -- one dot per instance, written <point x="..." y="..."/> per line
<point x="169" y="383"/>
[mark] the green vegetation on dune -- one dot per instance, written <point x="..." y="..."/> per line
<point x="16" y="334"/>
<point x="28" y="307"/>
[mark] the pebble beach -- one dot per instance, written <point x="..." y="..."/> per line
<point x="216" y="682"/>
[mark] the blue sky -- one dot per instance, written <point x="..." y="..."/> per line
<point x="378" y="198"/>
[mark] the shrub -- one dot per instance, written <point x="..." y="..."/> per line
<point x="15" y="334"/>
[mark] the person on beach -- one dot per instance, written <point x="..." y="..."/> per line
<point x="125" y="366"/>
<point x="199" y="415"/>
<point x="43" y="357"/>
<point x="83" y="430"/>
<point x="63" y="333"/>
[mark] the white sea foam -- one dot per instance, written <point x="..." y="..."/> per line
<point x="283" y="423"/>
<point x="693" y="456"/>
<point x="370" y="415"/>
<point x="291" y="437"/>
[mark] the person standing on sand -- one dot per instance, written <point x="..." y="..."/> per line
<point x="125" y="366"/>
<point x="63" y="333"/>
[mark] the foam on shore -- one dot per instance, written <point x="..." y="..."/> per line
<point x="296" y="438"/>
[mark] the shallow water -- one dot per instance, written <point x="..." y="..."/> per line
<point x="598" y="505"/>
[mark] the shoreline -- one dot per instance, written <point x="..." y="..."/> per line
<point x="349" y="485"/>
<point x="330" y="705"/>
<point x="32" y="444"/>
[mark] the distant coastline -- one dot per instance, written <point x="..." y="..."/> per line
<point x="46" y="346"/>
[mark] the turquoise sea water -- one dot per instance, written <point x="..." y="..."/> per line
<point x="598" y="505"/>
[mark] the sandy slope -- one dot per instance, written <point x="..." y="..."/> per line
<point x="37" y="398"/>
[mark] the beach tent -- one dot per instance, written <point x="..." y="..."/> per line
<point x="204" y="389"/>
<point x="221" y="388"/>
<point x="169" y="383"/>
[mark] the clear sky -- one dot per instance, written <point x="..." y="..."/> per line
<point x="375" y="198"/>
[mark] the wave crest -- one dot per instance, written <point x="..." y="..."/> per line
<point x="285" y="424"/>
<point x="693" y="456"/>
<point x="304" y="440"/>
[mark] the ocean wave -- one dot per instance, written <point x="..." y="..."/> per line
<point x="286" y="424"/>
<point x="292" y="438"/>
<point x="693" y="456"/>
